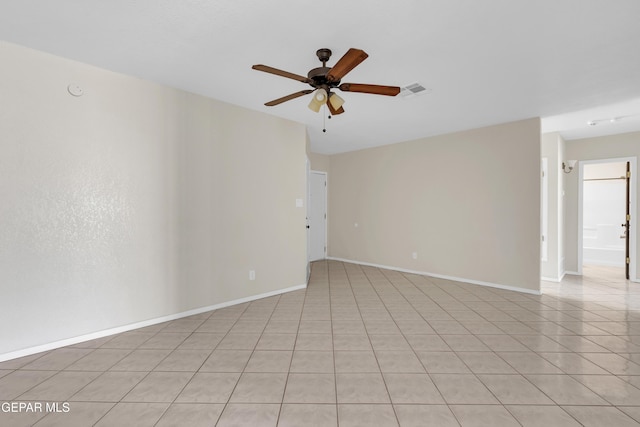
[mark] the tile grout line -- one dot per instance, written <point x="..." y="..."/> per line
<point x="413" y="349"/>
<point x="465" y="363"/>
<point x="395" y="414"/>
<point x="295" y="342"/>
<point x="333" y="346"/>
<point x="249" y="359"/>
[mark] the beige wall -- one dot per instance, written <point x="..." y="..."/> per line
<point x="136" y="201"/>
<point x="319" y="162"/>
<point x="468" y="203"/>
<point x="606" y="147"/>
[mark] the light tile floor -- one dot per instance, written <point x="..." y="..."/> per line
<point x="363" y="347"/>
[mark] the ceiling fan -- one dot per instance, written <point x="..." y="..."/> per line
<point x="323" y="79"/>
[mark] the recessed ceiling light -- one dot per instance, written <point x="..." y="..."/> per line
<point x="610" y="120"/>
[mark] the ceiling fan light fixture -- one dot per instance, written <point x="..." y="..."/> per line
<point x="335" y="101"/>
<point x="318" y="100"/>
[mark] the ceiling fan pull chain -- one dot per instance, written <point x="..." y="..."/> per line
<point x="324" y="120"/>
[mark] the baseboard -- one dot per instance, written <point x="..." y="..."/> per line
<point x="442" y="276"/>
<point x="112" y="331"/>
<point x="554" y="279"/>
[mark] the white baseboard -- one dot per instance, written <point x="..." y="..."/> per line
<point x="112" y="331"/>
<point x="441" y="276"/>
<point x="554" y="279"/>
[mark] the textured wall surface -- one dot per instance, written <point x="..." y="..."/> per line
<point x="135" y="200"/>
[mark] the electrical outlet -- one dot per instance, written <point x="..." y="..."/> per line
<point x="414" y="255"/>
<point x="252" y="275"/>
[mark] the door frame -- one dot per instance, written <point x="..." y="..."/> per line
<point x="326" y="208"/>
<point x="307" y="212"/>
<point x="633" y="195"/>
<point x="544" y="208"/>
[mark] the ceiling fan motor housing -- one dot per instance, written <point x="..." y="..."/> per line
<point x="318" y="77"/>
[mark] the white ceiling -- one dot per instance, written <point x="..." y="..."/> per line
<point x="486" y="62"/>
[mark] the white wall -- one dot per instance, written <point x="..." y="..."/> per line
<point x="135" y="201"/>
<point x="552" y="147"/>
<point x="468" y="203"/>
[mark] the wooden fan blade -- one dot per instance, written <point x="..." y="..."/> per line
<point x="333" y="111"/>
<point x="288" y="97"/>
<point x="282" y="73"/>
<point x="374" y="89"/>
<point x="348" y="62"/>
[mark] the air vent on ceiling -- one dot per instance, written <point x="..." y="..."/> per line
<point x="414" y="89"/>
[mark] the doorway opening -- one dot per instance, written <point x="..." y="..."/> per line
<point x="606" y="237"/>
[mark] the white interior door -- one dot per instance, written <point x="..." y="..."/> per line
<point x="544" y="204"/>
<point x="318" y="215"/>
